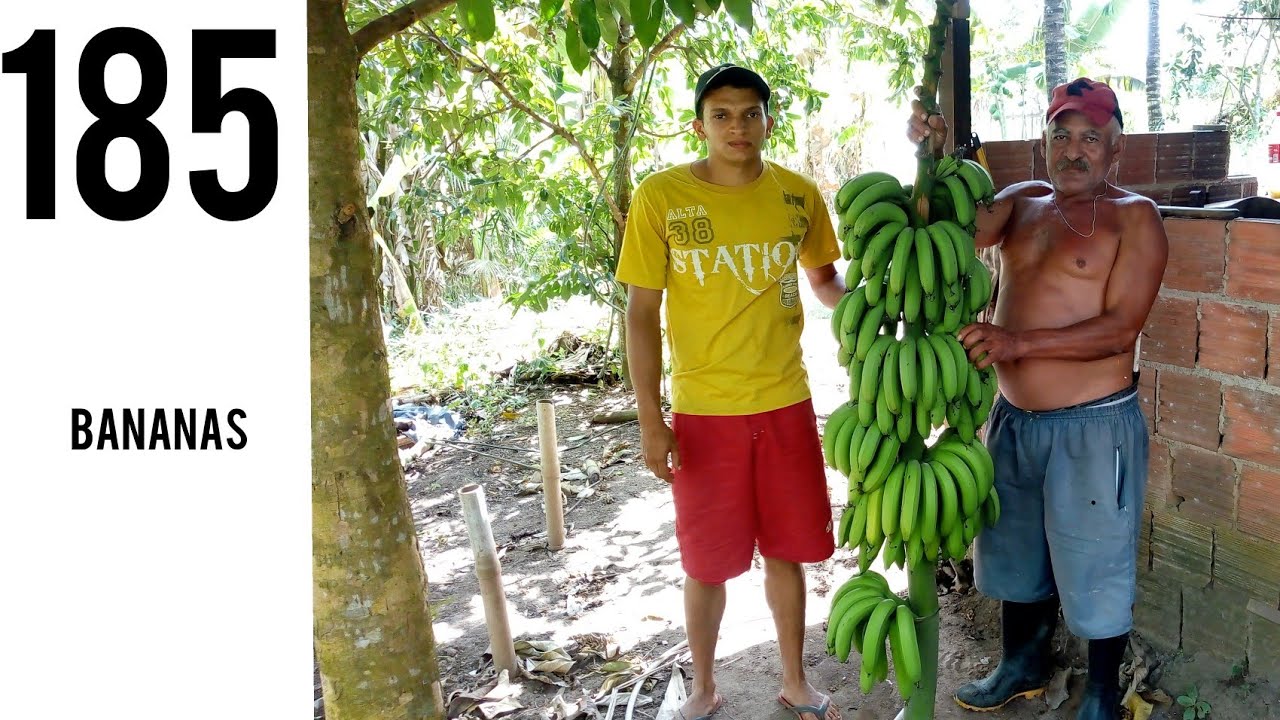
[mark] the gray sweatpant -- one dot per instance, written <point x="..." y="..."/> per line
<point x="1071" y="485"/>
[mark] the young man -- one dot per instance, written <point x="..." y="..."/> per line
<point x="1081" y="264"/>
<point x="723" y="237"/>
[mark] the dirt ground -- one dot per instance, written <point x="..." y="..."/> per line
<point x="618" y="579"/>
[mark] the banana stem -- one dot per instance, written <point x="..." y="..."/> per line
<point x="928" y="152"/>
<point x="923" y="596"/>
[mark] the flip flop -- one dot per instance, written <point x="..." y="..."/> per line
<point x="714" y="709"/>
<point x="819" y="712"/>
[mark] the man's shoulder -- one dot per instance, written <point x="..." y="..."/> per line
<point x="1027" y="189"/>
<point x="666" y="177"/>
<point x="1132" y="200"/>
<point x="792" y="178"/>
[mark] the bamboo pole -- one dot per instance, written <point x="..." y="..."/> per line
<point x="552" y="500"/>
<point x="489" y="573"/>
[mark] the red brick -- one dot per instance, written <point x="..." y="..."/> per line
<point x="1273" y="350"/>
<point x="1233" y="339"/>
<point x="1189" y="408"/>
<point x="1253" y="260"/>
<point x="1174" y="157"/>
<point x="1170" y="334"/>
<point x="1010" y="160"/>
<point x="1197" y="254"/>
<point x="1158" y="193"/>
<point x="1252" y="430"/>
<point x="1203" y="486"/>
<point x="1159" y="483"/>
<point x="1138" y="161"/>
<point x="1212" y="154"/>
<point x="1039" y="165"/>
<point x="1226" y="190"/>
<point x="1260" y="502"/>
<point x="1147" y="393"/>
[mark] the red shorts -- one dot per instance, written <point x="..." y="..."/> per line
<point x="748" y="479"/>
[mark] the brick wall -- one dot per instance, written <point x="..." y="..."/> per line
<point x="1209" y="557"/>
<point x="1165" y="167"/>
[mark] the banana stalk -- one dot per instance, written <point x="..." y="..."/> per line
<point x="921" y="579"/>
<point x="922" y="595"/>
<point x="927" y="155"/>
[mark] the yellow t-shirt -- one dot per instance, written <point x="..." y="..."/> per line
<point x="727" y="259"/>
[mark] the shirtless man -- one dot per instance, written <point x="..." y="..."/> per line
<point x="1081" y="263"/>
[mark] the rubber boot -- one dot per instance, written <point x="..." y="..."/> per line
<point x="1024" y="670"/>
<point x="1102" y="692"/>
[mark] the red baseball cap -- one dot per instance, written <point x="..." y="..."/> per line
<point x="1096" y="100"/>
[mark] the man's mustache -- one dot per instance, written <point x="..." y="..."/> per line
<point x="1077" y="164"/>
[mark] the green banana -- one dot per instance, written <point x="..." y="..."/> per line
<point x="975" y="177"/>
<point x="838" y="312"/>
<point x="881" y="191"/>
<point x="885" y="418"/>
<point x="892" y="389"/>
<point x="964" y="204"/>
<point x="851" y="451"/>
<point x="973" y="391"/>
<point x="901" y="254"/>
<point x="979" y="285"/>
<point x="961" y="240"/>
<point x="842" y="637"/>
<point x="913" y="293"/>
<point x="909" y="508"/>
<point x="875" y="537"/>
<point x="853" y="313"/>
<point x="928" y="372"/>
<point x="905" y="419"/>
<point x="963" y="478"/>
<point x="908" y="369"/>
<point x="911" y="660"/>
<point x="946" y="166"/>
<point x="877" y="215"/>
<point x="928" y="504"/>
<point x="885" y="458"/>
<point x="868" y="330"/>
<point x="991" y="509"/>
<point x="873" y="642"/>
<point x="946" y="365"/>
<point x="879" y="246"/>
<point x="946" y="251"/>
<point x="925" y="261"/>
<point x="960" y="361"/>
<point x="841" y="459"/>
<point x="854" y="187"/>
<point x="829" y="433"/>
<point x="891" y="501"/>
<point x="948" y="500"/>
<point x="876" y="281"/>
<point x="869" y="382"/>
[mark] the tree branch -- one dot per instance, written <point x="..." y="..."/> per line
<point x="373" y="33"/>
<point x="657" y="49"/>
<point x="551" y="125"/>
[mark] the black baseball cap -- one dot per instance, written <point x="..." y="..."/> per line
<point x="728" y="75"/>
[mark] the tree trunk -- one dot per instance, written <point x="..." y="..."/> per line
<point x="372" y="624"/>
<point x="1055" y="44"/>
<point x="623" y="89"/>
<point x="1155" y="118"/>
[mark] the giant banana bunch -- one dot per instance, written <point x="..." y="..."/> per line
<point x="916" y="281"/>
<point x="865" y="615"/>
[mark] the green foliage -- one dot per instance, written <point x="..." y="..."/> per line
<point x="1194" y="708"/>
<point x="1240" y="64"/>
<point x="491" y="163"/>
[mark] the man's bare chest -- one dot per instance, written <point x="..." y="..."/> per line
<point x="1043" y="247"/>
